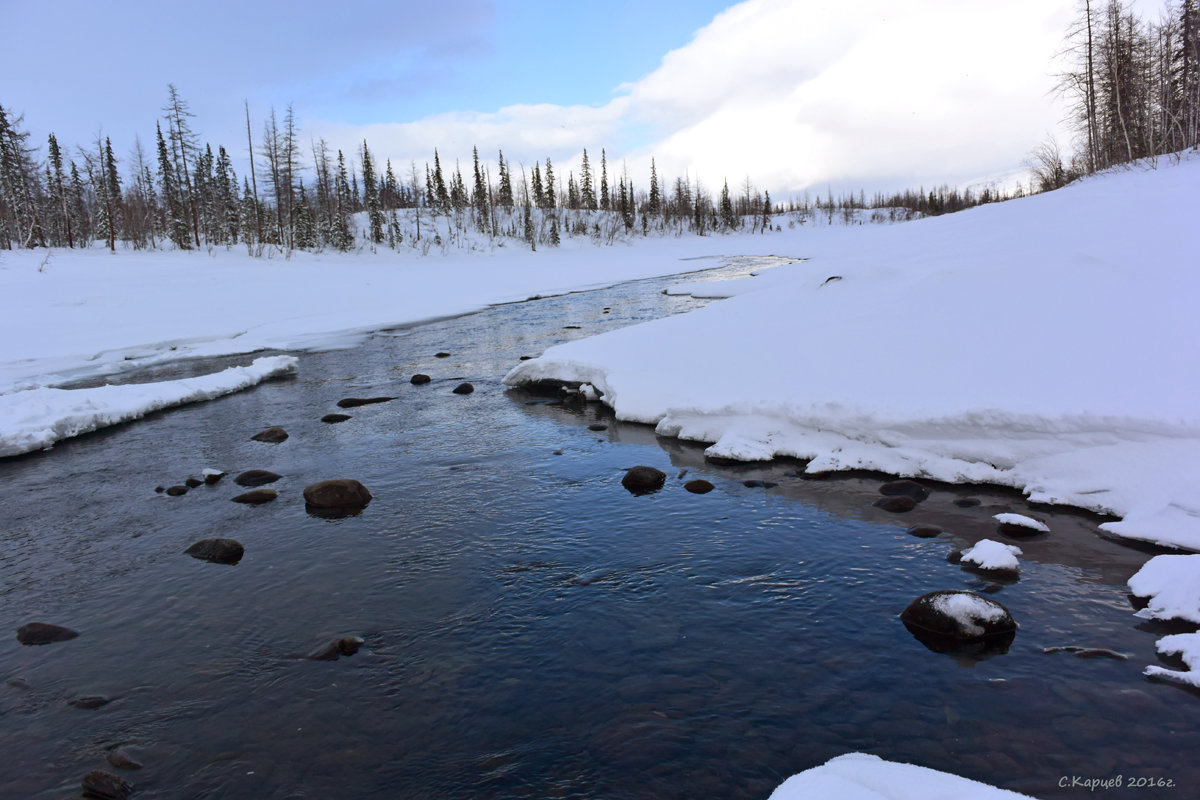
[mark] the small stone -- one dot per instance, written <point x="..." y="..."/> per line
<point x="256" y="497"/>
<point x="571" y="327"/>
<point x="270" y="435"/>
<point x="192" y="483"/>
<point x="557" y="453"/>
<point x="211" y="478"/>
<point x="159" y="489"/>
<point x="464" y="388"/>
<point x="256" y="477"/>
<point x="331" y="418"/>
<point x="33" y="633"/>
<point x="441" y="355"/>
<point x="341" y="646"/>
<point x="176" y="491"/>
<point x="218" y="551"/>
<point x="967" y="502"/>
<point x="337" y="493"/>
<point x="121" y="760"/>
<point x="756" y="484"/>
<point x="90" y="701"/>
<point x="355" y="402"/>
<point x="419" y="379"/>
<point x="105" y="786"/>
<point x="526" y="358"/>
<point x="905" y="489"/>
<point x="897" y="504"/>
<point x="699" y="486"/>
<point x="643" y="480"/>
<point x="924" y="531"/>
<point x="597" y="426"/>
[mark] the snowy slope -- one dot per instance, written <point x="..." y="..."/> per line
<point x="1049" y="344"/>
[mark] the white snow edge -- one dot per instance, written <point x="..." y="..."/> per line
<point x="859" y="776"/>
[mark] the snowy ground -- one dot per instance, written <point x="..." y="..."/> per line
<point x="858" y="776"/>
<point x="1050" y="344"/>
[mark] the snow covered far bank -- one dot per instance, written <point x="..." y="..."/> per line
<point x="858" y="776"/>
<point x="68" y="314"/>
<point x="1049" y="344"/>
<point x="37" y="418"/>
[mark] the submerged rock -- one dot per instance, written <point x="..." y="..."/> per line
<point x="176" y="491"/>
<point x="442" y="354"/>
<point x="89" y="701"/>
<point x="905" y="488"/>
<point x="420" y="379"/>
<point x="355" y="402"/>
<point x="256" y="477"/>
<point x="897" y="504"/>
<point x="105" y="786"/>
<point x="967" y="502"/>
<point x="643" y="480"/>
<point x="256" y="497"/>
<point x="331" y="651"/>
<point x="273" y="435"/>
<point x="699" y="486"/>
<point x="464" y="388"/>
<point x="331" y="418"/>
<point x="122" y="760"/>
<point x="757" y="484"/>
<point x="33" y="633"/>
<point x="192" y="483"/>
<point x="339" y="493"/>
<point x="924" y="531"/>
<point x="597" y="426"/>
<point x="218" y="551"/>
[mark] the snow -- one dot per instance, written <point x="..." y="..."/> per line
<point x="859" y="776"/>
<point x="37" y="418"/>
<point x="1021" y="521"/>
<point x="1048" y="344"/>
<point x="989" y="554"/>
<point x="968" y="610"/>
<point x="1185" y="645"/>
<point x="1173" y="585"/>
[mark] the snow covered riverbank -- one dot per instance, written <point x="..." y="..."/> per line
<point x="1049" y="344"/>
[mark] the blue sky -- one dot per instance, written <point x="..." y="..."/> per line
<point x="793" y="94"/>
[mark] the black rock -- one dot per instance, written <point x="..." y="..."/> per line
<point x="105" y="786"/>
<point x="176" y="491"/>
<point x="597" y="426"/>
<point x="192" y="483"/>
<point x="43" y="633"/>
<point x="756" y="484"/>
<point x="213" y="477"/>
<point x="121" y="760"/>
<point x="270" y="435"/>
<point x="256" y="477"/>
<point x="464" y="388"/>
<point x="339" y="493"/>
<point x="905" y="489"/>
<point x="335" y="418"/>
<point x="256" y="497"/>
<point x="571" y="328"/>
<point x="525" y="358"/>
<point x="218" y="551"/>
<point x="643" y="480"/>
<point x="699" y="486"/>
<point x="419" y="379"/>
<point x="355" y="402"/>
<point x="441" y="355"/>
<point x="924" y="531"/>
<point x="91" y="701"/>
<point x="341" y="646"/>
<point x="966" y="502"/>
<point x="959" y="615"/>
<point x="896" y="504"/>
<point x="159" y="489"/>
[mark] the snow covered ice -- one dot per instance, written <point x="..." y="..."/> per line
<point x="1021" y="521"/>
<point x="859" y="776"/>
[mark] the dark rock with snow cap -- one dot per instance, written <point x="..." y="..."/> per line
<point x="959" y="615"/>
<point x="643" y="480"/>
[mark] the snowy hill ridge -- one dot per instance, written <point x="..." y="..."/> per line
<point x="1050" y="344"/>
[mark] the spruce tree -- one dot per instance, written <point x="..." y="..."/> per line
<point x="728" y="222"/>
<point x="604" y="199"/>
<point x="654" y="206"/>
<point x="175" y="222"/>
<point x="439" y="184"/>
<point x="505" y="193"/>
<point x="587" y="192"/>
<point x="548" y="193"/>
<point x="539" y="197"/>
<point x="58" y="190"/>
<point x="343" y="233"/>
<point x="375" y="217"/>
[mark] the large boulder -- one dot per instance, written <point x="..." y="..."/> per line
<point x="959" y="615"/>
<point x="219" y="551"/>
<point x="43" y="633"/>
<point x="337" y="494"/>
<point x="643" y="480"/>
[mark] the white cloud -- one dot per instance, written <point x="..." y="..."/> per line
<point x="798" y="94"/>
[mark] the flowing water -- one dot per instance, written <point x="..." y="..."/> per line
<point x="532" y="629"/>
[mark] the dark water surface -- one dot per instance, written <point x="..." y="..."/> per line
<point x="531" y="629"/>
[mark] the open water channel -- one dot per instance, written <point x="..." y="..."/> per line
<point x="531" y="629"/>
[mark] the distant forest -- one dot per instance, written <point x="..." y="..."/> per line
<point x="1132" y="86"/>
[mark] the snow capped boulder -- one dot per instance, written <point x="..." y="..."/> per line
<point x="1019" y="525"/>
<point x="992" y="556"/>
<point x="959" y="616"/>
<point x="1187" y="647"/>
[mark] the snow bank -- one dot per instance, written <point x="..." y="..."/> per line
<point x="1173" y="585"/>
<point x="1049" y="344"/>
<point x="37" y="418"/>
<point x="1185" y="645"/>
<point x="1021" y="521"/>
<point x="858" y="776"/>
<point x="989" y="554"/>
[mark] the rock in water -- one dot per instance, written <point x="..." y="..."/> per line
<point x="219" y="551"/>
<point x="256" y="497"/>
<point x="105" y="786"/>
<point x="176" y="491"/>
<point x="193" y="482"/>
<point x="905" y="488"/>
<point x="341" y="646"/>
<point x="338" y="493"/>
<point x="89" y="701"/>
<point x="924" y="531"/>
<point x="335" y="418"/>
<point x="699" y="486"/>
<point x="270" y="435"/>
<point x="897" y="504"/>
<point x="959" y="615"/>
<point x="464" y="388"/>
<point x="33" y="633"/>
<point x="355" y="402"/>
<point x="420" y="378"/>
<point x="121" y="760"/>
<point x="256" y="477"/>
<point x="643" y="480"/>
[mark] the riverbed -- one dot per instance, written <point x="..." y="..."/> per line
<point x="530" y="628"/>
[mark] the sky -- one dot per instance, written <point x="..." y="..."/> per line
<point x="793" y="95"/>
